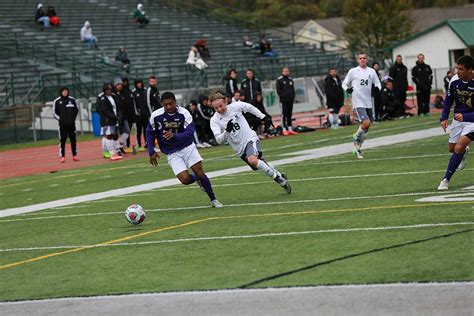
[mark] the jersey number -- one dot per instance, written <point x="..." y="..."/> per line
<point x="364" y="82"/>
<point x="236" y="127"/>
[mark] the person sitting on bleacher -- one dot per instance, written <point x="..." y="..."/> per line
<point x="194" y="58"/>
<point x="53" y="18"/>
<point x="41" y="17"/>
<point x="122" y="57"/>
<point x="202" y="48"/>
<point x="86" y="36"/>
<point x="140" y="16"/>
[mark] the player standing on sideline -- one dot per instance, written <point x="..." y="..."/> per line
<point x="461" y="93"/>
<point x="174" y="128"/>
<point x="229" y="124"/>
<point x="359" y="81"/>
<point x="65" y="111"/>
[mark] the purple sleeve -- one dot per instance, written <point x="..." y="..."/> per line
<point x="468" y="117"/>
<point x="187" y="134"/>
<point x="448" y="103"/>
<point x="150" y="139"/>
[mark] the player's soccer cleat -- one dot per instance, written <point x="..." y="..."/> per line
<point x="285" y="184"/>
<point x="115" y="158"/>
<point x="128" y="150"/>
<point x="62" y="160"/>
<point x="443" y="185"/>
<point x="357" y="152"/>
<point x="106" y="154"/>
<point x="75" y="158"/>
<point x="462" y="165"/>
<point x="285" y="133"/>
<point x="200" y="145"/>
<point x="206" y="144"/>
<point x="293" y="133"/>
<point x="215" y="203"/>
<point x="141" y="149"/>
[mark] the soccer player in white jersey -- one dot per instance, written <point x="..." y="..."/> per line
<point x="229" y="124"/>
<point x="359" y="81"/>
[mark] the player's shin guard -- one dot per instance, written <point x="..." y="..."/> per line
<point x="270" y="171"/>
<point x="104" y="144"/>
<point x="206" y="184"/>
<point x="360" y="135"/>
<point x="453" y="165"/>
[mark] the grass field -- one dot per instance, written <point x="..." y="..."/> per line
<point x="346" y="222"/>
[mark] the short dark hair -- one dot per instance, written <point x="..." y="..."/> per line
<point x="466" y="61"/>
<point x="362" y="53"/>
<point x="106" y="86"/>
<point x="375" y="63"/>
<point x="231" y="71"/>
<point x="398" y="56"/>
<point x="151" y="77"/>
<point x="168" y="96"/>
<point x="250" y="69"/>
<point x="332" y="68"/>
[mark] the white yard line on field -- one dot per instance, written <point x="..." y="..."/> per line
<point x="305" y="155"/>
<point x="199" y="207"/>
<point x="280" y="234"/>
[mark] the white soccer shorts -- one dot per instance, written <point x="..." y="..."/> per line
<point x="108" y="130"/>
<point x="183" y="159"/>
<point x="459" y="129"/>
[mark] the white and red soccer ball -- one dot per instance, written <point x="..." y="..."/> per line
<point x="135" y="214"/>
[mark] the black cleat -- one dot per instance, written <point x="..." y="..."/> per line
<point x="286" y="184"/>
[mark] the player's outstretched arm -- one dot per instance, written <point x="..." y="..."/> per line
<point x="150" y="139"/>
<point x="249" y="108"/>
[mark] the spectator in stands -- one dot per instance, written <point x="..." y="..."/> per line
<point x="398" y="72"/>
<point x="202" y="48"/>
<point x="286" y="92"/>
<point x="109" y="120"/>
<point x="376" y="92"/>
<point x="262" y="130"/>
<point x="250" y="44"/>
<point x="65" y="110"/>
<point x="269" y="51"/>
<point x="122" y="57"/>
<point x="86" y="36"/>
<point x="140" y="16"/>
<point x="237" y="96"/>
<point x="250" y="86"/>
<point x="334" y="96"/>
<point x="143" y="113"/>
<point x="205" y="113"/>
<point x="125" y="112"/>
<point x="129" y="111"/>
<point x="262" y="43"/>
<point x="422" y="76"/>
<point x="41" y="17"/>
<point x="231" y="83"/>
<point x="53" y="17"/>
<point x="446" y="80"/>
<point x="194" y="58"/>
<point x="153" y="95"/>
<point x="200" y="124"/>
<point x="390" y="105"/>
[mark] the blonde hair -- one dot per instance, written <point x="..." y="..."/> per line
<point x="216" y="95"/>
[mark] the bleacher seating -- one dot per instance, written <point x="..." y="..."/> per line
<point x="159" y="49"/>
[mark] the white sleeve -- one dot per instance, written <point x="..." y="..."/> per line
<point x="219" y="134"/>
<point x="249" y="108"/>
<point x="377" y="81"/>
<point x="188" y="119"/>
<point x="347" y="81"/>
<point x="54" y="109"/>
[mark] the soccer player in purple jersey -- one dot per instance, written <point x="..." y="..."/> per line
<point x="461" y="93"/>
<point x="173" y="126"/>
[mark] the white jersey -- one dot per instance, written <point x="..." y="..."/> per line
<point x="242" y="133"/>
<point x="361" y="80"/>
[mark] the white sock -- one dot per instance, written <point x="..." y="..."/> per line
<point x="361" y="134"/>
<point x="273" y="168"/>
<point x="335" y="119"/>
<point x="266" y="169"/>
<point x="104" y="144"/>
<point x="123" y="139"/>
<point x="112" y="147"/>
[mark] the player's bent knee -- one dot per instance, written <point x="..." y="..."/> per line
<point x="253" y="161"/>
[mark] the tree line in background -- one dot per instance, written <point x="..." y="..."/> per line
<point x="369" y="25"/>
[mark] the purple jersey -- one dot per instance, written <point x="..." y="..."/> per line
<point x="179" y="123"/>
<point x="462" y="95"/>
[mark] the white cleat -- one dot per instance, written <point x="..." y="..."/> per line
<point x="462" y="165"/>
<point x="285" y="184"/>
<point x="215" y="203"/>
<point x="443" y="185"/>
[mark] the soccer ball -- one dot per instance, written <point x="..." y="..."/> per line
<point x="135" y="214"/>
